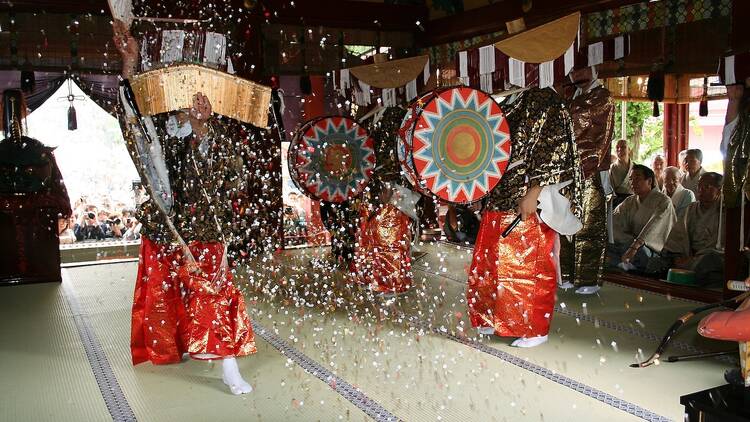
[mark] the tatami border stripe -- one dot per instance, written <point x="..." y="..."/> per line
<point x="577" y="386"/>
<point x="681" y="299"/>
<point x="100" y="262"/>
<point x="580" y="387"/>
<point x="372" y="408"/>
<point x="687" y="347"/>
<point x="117" y="404"/>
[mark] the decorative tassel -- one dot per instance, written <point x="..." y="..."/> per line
<point x="655" y="90"/>
<point x="305" y="85"/>
<point x="72" y="121"/>
<point x="28" y="81"/>
<point x="703" y="108"/>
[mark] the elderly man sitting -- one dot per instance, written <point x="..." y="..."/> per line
<point x="641" y="223"/>
<point x="695" y="243"/>
<point x="673" y="188"/>
<point x="693" y="169"/>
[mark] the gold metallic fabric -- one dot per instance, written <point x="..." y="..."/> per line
<point x="541" y="137"/>
<point x="385" y="135"/>
<point x="512" y="280"/>
<point x="736" y="162"/>
<point x="583" y="260"/>
<point x="593" y="114"/>
<point x="382" y="254"/>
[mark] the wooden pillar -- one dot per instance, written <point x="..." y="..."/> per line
<point x="676" y="130"/>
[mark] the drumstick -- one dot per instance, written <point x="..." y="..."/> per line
<point x="515" y="222"/>
<point x="511" y="226"/>
<point x="170" y="20"/>
<point x="738" y="286"/>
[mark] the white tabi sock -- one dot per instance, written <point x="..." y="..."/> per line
<point x="232" y="377"/>
<point x="529" y="342"/>
<point x="487" y="331"/>
<point x="587" y="290"/>
<point x="565" y="285"/>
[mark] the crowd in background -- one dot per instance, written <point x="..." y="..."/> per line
<point x="103" y="221"/>
<point x="662" y="216"/>
<point x="666" y="217"/>
<point x="295" y="219"/>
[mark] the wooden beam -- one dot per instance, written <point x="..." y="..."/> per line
<point x="96" y="7"/>
<point x="330" y="13"/>
<point x="345" y="14"/>
<point x="654" y="285"/>
<point x="492" y="18"/>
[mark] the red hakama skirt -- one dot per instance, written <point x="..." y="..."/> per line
<point x="174" y="312"/>
<point x="512" y="280"/>
<point x="383" y="251"/>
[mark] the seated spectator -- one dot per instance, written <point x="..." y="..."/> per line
<point x="88" y="228"/>
<point x="461" y="224"/>
<point x="693" y="244"/>
<point x="658" y="167"/>
<point x="641" y="223"/>
<point x="102" y="218"/>
<point x="133" y="230"/>
<point x="680" y="196"/>
<point x="694" y="170"/>
<point x="619" y="172"/>
<point x="64" y="231"/>
<point x="115" y="227"/>
<point x="73" y="222"/>
<point x="681" y="160"/>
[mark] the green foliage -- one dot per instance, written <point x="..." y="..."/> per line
<point x="638" y="112"/>
<point x="652" y="140"/>
<point x="644" y="133"/>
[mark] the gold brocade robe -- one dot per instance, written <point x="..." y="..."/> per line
<point x="736" y="162"/>
<point x="511" y="285"/>
<point x="175" y="311"/>
<point x="593" y="114"/>
<point x="542" y="141"/>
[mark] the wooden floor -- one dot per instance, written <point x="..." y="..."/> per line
<point x="327" y="351"/>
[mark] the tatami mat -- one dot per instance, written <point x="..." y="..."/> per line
<point x="415" y="356"/>
<point x="193" y="390"/>
<point x="45" y="373"/>
<point x="615" y="328"/>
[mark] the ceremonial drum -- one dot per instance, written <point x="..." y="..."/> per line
<point x="460" y="144"/>
<point x="404" y="139"/>
<point x="331" y="158"/>
<point x="292" y="153"/>
<point x="161" y="48"/>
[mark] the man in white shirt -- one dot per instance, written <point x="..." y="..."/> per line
<point x="693" y="161"/>
<point x="696" y="240"/>
<point x="641" y="223"/>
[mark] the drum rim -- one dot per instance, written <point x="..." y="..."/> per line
<point x="432" y="98"/>
<point x="293" y="171"/>
<point x="416" y="112"/>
